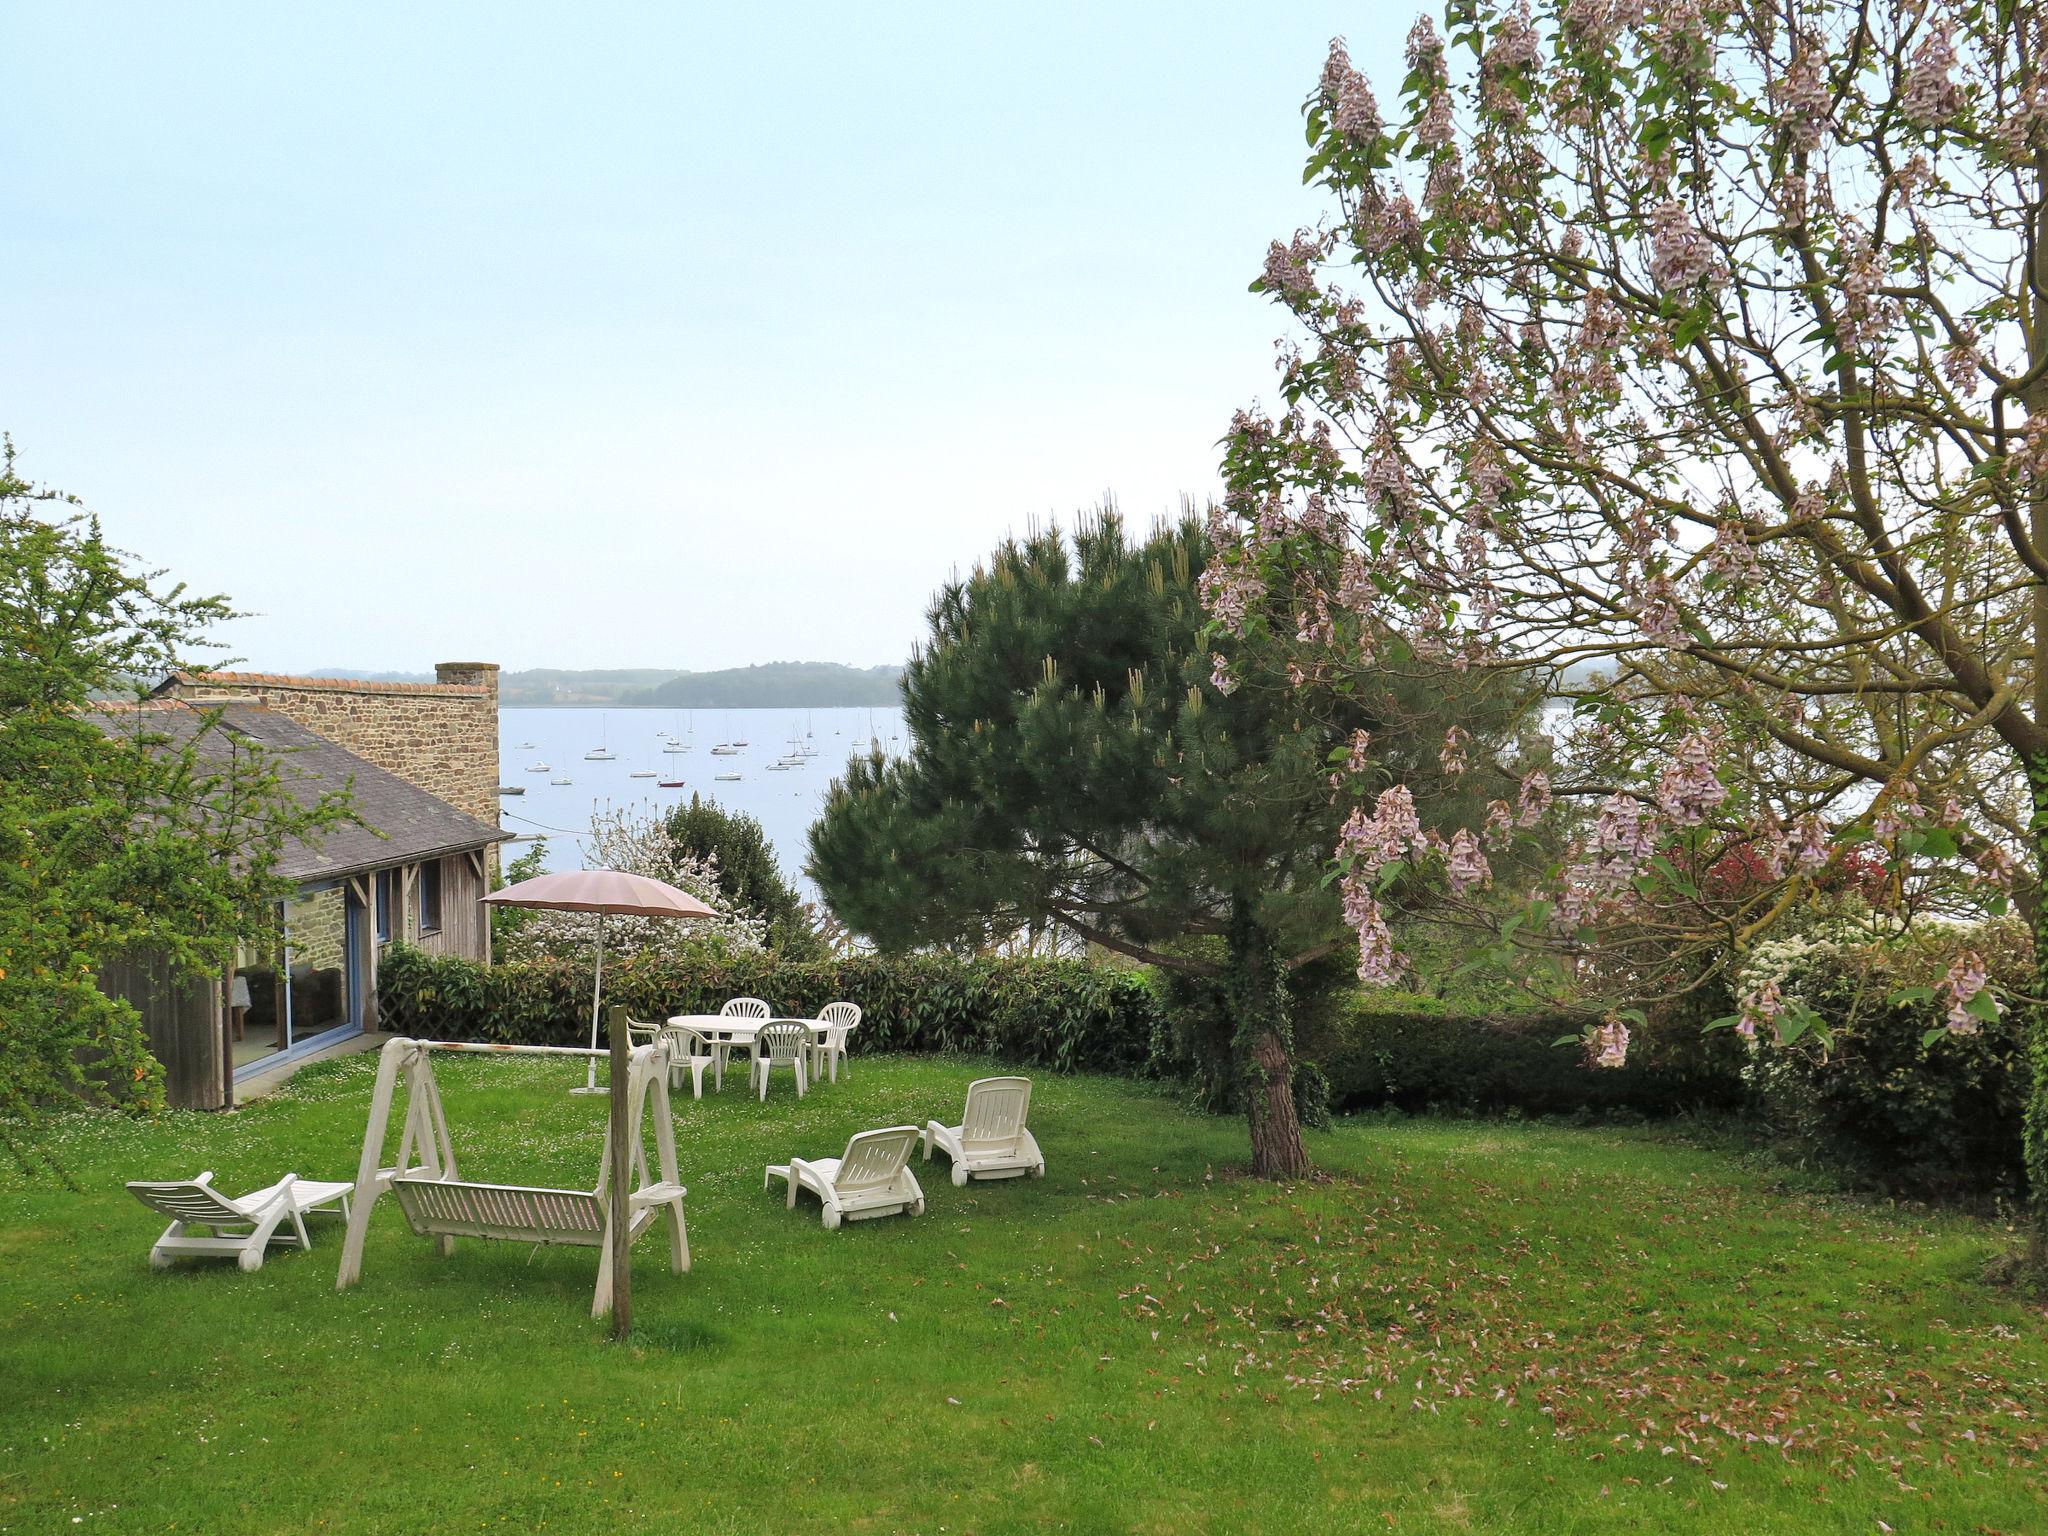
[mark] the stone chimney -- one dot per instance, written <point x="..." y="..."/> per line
<point x="470" y="674"/>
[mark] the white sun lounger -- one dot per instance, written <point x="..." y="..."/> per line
<point x="872" y="1178"/>
<point x="990" y="1142"/>
<point x="241" y="1228"/>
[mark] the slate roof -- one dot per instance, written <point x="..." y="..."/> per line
<point x="401" y="821"/>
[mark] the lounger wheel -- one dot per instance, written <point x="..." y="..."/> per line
<point x="158" y="1259"/>
<point x="249" y="1260"/>
<point x="960" y="1175"/>
<point x="1038" y="1171"/>
<point x="831" y="1220"/>
<point x="917" y="1208"/>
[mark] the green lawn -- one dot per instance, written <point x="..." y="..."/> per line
<point x="1471" y="1326"/>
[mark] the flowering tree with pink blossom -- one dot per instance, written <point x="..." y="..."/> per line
<point x="1699" y="355"/>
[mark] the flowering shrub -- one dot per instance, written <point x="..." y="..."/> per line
<point x="636" y="843"/>
<point x="1901" y="1094"/>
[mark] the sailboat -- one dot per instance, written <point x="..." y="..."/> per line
<point x="602" y="753"/>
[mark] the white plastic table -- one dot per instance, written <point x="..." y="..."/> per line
<point x="729" y="1033"/>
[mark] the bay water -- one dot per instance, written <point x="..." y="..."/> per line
<point x="785" y="801"/>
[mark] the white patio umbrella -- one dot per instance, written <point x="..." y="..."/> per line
<point x="607" y="892"/>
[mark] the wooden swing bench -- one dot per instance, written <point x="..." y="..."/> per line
<point x="440" y="1204"/>
<point x="523" y="1213"/>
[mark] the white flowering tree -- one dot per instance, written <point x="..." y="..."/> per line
<point x="1700" y="354"/>
<point x="639" y="844"/>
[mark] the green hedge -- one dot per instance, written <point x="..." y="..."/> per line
<point x="1411" y="1053"/>
<point x="1376" y="1050"/>
<point x="1058" y="1014"/>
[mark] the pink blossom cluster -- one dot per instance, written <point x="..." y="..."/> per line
<point x="1759" y="1010"/>
<point x="1607" y="1044"/>
<point x="1533" y="802"/>
<point x="1382" y="223"/>
<point x="1385" y="480"/>
<point x="1962" y="362"/>
<point x="1499" y="830"/>
<point x="1231" y="587"/>
<point x="1688" y="790"/>
<point x="1379" y="963"/>
<point x="1355" y="761"/>
<point x="1392" y="832"/>
<point x="1814" y="846"/>
<point x="1464" y="864"/>
<point x="1966" y="977"/>
<point x="1931" y="95"/>
<point x="1731" y="555"/>
<point x="1625" y="838"/>
<point x="1290" y="268"/>
<point x="1863" y="317"/>
<point x="1897" y="808"/>
<point x="1681" y="257"/>
<point x="1996" y="864"/>
<point x="1658" y="614"/>
<point x="1453" y="755"/>
<point x="1804" y="104"/>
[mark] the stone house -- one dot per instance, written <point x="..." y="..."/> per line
<point x="420" y="761"/>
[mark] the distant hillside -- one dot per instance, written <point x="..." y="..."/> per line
<point x="789" y="684"/>
<point x="785" y="684"/>
<point x="542" y="686"/>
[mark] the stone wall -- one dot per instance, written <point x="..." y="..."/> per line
<point x="317" y="929"/>
<point x="441" y="736"/>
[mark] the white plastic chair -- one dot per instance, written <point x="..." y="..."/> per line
<point x="740" y="1008"/>
<point x="990" y="1142"/>
<point x="840" y="1020"/>
<point x="196" y="1203"/>
<point x="688" y="1048"/>
<point x="784" y="1043"/>
<point x="872" y="1177"/>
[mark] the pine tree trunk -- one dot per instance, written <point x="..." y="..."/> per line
<point x="1256" y="990"/>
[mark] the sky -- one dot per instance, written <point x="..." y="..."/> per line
<point x="610" y="335"/>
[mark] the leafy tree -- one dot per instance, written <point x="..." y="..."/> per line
<point x="507" y="921"/>
<point x="1700" y="352"/>
<point x="1073" y="764"/>
<point x="747" y="871"/>
<point x="117" y="836"/>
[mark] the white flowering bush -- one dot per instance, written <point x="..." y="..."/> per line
<point x="636" y="844"/>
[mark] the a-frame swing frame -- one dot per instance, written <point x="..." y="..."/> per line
<point x="516" y="1212"/>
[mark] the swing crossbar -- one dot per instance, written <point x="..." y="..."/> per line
<point x="486" y="1048"/>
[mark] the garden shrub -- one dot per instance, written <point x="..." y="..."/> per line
<point x="1938" y="1119"/>
<point x="1414" y="1053"/>
<point x="1356" y="1050"/>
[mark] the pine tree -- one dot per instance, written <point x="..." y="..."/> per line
<point x="1073" y="763"/>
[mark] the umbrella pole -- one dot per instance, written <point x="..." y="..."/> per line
<point x="596" y="993"/>
<point x="618" y="1220"/>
